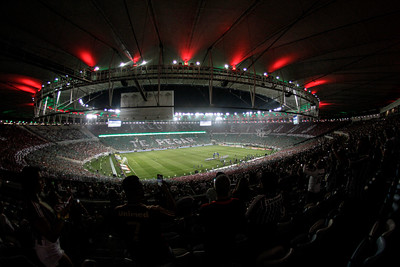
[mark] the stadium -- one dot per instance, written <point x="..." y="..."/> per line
<point x="260" y="134"/>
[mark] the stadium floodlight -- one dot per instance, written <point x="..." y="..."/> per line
<point x="91" y="116"/>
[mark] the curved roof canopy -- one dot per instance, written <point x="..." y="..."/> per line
<point x="345" y="53"/>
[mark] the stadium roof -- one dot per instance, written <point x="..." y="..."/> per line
<point x="345" y="52"/>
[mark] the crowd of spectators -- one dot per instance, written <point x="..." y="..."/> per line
<point x="12" y="140"/>
<point x="59" y="132"/>
<point x="270" y="141"/>
<point x="353" y="168"/>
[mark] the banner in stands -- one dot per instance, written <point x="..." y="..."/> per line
<point x="140" y="143"/>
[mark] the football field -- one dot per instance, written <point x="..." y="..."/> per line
<point x="179" y="162"/>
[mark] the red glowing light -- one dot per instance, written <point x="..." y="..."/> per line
<point x="30" y="82"/>
<point x="22" y="83"/>
<point x="315" y="83"/>
<point x="87" y="58"/>
<point x="324" y="104"/>
<point x="186" y="55"/>
<point x="136" y="58"/>
<point x="281" y="62"/>
<point x="25" y="88"/>
<point x="236" y="60"/>
<point x="27" y="104"/>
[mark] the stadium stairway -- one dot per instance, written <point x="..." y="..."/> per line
<point x="89" y="134"/>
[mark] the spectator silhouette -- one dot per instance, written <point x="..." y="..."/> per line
<point x="316" y="174"/>
<point x="47" y="223"/>
<point x="243" y="191"/>
<point x="140" y="225"/>
<point x="359" y="173"/>
<point x="265" y="211"/>
<point x="223" y="222"/>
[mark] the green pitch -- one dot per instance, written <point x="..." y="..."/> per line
<point x="176" y="162"/>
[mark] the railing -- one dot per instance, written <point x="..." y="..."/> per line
<point x="183" y="74"/>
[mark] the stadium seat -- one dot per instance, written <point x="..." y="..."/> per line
<point x="276" y="256"/>
<point x="182" y="257"/>
<point x="361" y="252"/>
<point x="377" y="253"/>
<point x="390" y="227"/>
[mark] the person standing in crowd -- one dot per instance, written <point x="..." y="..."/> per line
<point x="243" y="191"/>
<point x="265" y="211"/>
<point x="47" y="224"/>
<point x="140" y="225"/>
<point x="223" y="221"/>
<point x="390" y="150"/>
<point x="316" y="175"/>
<point x="359" y="172"/>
